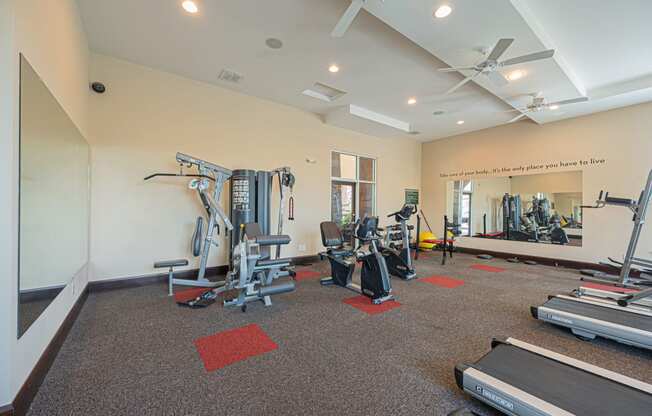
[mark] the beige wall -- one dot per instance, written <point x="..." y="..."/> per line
<point x="50" y="34"/>
<point x="147" y="116"/>
<point x="622" y="137"/>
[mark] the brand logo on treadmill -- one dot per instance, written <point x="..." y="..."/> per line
<point x="493" y="397"/>
<point x="560" y="319"/>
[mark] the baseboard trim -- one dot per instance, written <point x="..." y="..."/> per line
<point x="150" y="279"/>
<point x="571" y="264"/>
<point x="7" y="410"/>
<point x="28" y="391"/>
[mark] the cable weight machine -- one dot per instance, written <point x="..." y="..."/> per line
<point x="250" y="209"/>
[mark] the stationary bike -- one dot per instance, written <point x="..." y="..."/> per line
<point x="374" y="277"/>
<point x="398" y="256"/>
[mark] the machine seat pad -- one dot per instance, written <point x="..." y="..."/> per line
<point x="272" y="262"/>
<point x="170" y="263"/>
<point x="272" y="240"/>
<point x="331" y="236"/>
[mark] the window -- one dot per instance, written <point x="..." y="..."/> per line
<point x="353" y="187"/>
<point x="463" y="194"/>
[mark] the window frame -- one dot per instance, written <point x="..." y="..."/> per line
<point x="458" y="188"/>
<point x="357" y="181"/>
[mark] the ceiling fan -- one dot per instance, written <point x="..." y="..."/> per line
<point x="539" y="104"/>
<point x="490" y="66"/>
<point x="348" y="17"/>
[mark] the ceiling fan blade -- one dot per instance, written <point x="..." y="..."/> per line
<point x="499" y="49"/>
<point x="521" y="110"/>
<point x="497" y="78"/>
<point x="467" y="68"/>
<point x="517" y="118"/>
<point x="571" y="101"/>
<point x="529" y="58"/>
<point x="461" y="83"/>
<point x="347" y="18"/>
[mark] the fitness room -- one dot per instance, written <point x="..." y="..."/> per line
<point x="325" y="207"/>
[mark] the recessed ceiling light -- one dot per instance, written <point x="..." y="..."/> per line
<point x="514" y="75"/>
<point x="334" y="68"/>
<point x="412" y="101"/>
<point x="274" y="43"/>
<point x="190" y="6"/>
<point x="554" y="107"/>
<point x="460" y="122"/>
<point x="443" y="11"/>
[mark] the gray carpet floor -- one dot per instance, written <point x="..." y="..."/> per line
<point x="131" y="351"/>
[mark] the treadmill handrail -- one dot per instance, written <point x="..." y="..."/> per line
<point x="590" y="368"/>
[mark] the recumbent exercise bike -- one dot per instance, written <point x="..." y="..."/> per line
<point x="374" y="277"/>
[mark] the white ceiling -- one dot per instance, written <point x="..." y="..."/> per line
<point x="391" y="53"/>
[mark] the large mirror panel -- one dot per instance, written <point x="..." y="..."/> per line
<point x="54" y="198"/>
<point x="543" y="208"/>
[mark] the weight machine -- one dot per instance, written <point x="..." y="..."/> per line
<point x="208" y="182"/>
<point x="536" y="225"/>
<point x="251" y="268"/>
<point x="639" y="208"/>
<point x="251" y="201"/>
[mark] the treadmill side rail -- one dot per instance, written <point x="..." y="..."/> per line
<point x="585" y="326"/>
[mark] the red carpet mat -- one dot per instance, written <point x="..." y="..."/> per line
<point x="306" y="274"/>
<point x="364" y="304"/>
<point x="486" y="268"/>
<point x="228" y="347"/>
<point x="189" y="294"/>
<point x="609" y="288"/>
<point x="443" y="281"/>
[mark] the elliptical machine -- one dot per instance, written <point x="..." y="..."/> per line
<point x="398" y="256"/>
<point x="374" y="277"/>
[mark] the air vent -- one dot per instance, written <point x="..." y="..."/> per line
<point x="229" y="76"/>
<point x="380" y="118"/>
<point x="438" y="113"/>
<point x="323" y="92"/>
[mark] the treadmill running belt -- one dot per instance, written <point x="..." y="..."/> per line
<point x="630" y="319"/>
<point x="569" y="388"/>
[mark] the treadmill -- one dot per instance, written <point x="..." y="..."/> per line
<point x="518" y="378"/>
<point x="594" y="313"/>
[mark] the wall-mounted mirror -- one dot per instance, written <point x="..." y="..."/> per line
<point x="543" y="208"/>
<point x="54" y="198"/>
